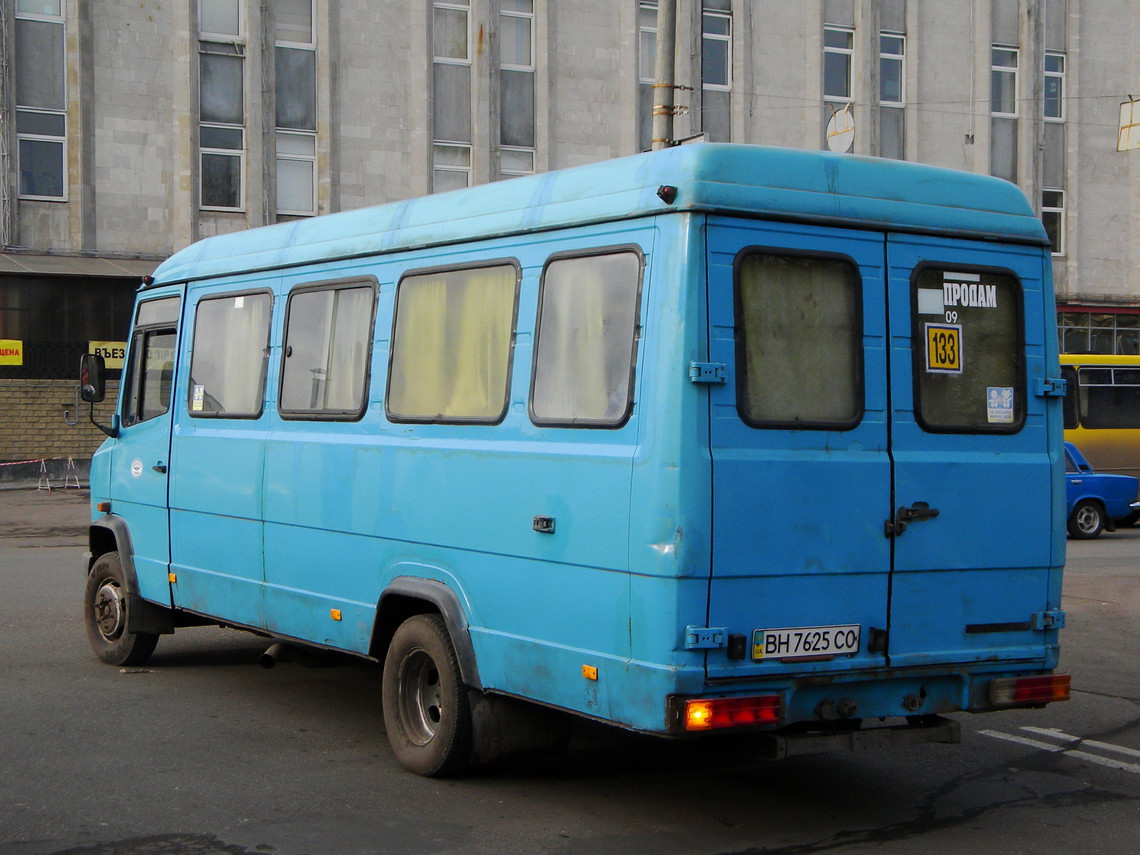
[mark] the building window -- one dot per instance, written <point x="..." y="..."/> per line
<point x="646" y="72"/>
<point x="296" y="104"/>
<point x="451" y="95"/>
<point x="41" y="99"/>
<point x="716" y="71"/>
<point x="1003" y="81"/>
<point x="516" y="93"/>
<point x="1054" y="85"/>
<point x="892" y="95"/>
<point x="838" y="49"/>
<point x="1099" y="332"/>
<point x="1053" y="216"/>
<point x="221" y="104"/>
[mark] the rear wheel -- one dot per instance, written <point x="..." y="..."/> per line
<point x="105" y="614"/>
<point x="1087" y="520"/>
<point x="426" y="709"/>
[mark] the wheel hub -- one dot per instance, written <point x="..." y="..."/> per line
<point x="110" y="610"/>
<point x="420" y="703"/>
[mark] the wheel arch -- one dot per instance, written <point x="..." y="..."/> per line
<point x="110" y="534"/>
<point x="412" y="595"/>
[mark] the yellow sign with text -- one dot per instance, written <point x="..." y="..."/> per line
<point x="112" y="352"/>
<point x="944" y="348"/>
<point x="11" y="352"/>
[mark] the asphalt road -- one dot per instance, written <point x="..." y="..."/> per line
<point x="202" y="752"/>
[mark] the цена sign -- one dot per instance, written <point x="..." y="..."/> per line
<point x="11" y="352"/>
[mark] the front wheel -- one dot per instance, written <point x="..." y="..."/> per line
<point x="1087" y="520"/>
<point x="426" y="710"/>
<point x="105" y="616"/>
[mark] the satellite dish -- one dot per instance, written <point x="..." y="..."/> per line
<point x="841" y="130"/>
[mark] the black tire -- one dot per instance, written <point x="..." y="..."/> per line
<point x="426" y="709"/>
<point x="105" y="616"/>
<point x="1087" y="520"/>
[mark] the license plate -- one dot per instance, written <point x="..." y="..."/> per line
<point x="802" y="642"/>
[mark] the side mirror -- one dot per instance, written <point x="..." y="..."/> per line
<point x="92" y="378"/>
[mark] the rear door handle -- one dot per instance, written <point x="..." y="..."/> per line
<point x="917" y="512"/>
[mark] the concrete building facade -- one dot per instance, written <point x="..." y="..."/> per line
<point x="129" y="130"/>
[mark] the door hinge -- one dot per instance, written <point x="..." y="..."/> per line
<point x="1052" y="619"/>
<point x="1049" y="387"/>
<point x="707" y="372"/>
<point x="705" y="637"/>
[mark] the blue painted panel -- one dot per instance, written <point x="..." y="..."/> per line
<point x="987" y="558"/>
<point x="218" y="566"/>
<point x="139" y="490"/>
<point x="750" y="180"/>
<point x="797" y="514"/>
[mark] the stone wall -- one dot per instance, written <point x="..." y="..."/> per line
<point x="33" y="428"/>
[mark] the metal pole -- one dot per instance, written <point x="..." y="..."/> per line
<point x="663" y="74"/>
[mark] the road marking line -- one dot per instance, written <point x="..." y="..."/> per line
<point x="1053" y="732"/>
<point x="1107" y="761"/>
<point x="1021" y="740"/>
<point x="1073" y="752"/>
<point x="1092" y="743"/>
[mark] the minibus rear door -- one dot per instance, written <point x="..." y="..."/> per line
<point x="799" y="443"/>
<point x="973" y="481"/>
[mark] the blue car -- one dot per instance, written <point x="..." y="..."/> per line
<point x="1096" y="500"/>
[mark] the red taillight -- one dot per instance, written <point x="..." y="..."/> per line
<point x="713" y="713"/>
<point x="1029" y="691"/>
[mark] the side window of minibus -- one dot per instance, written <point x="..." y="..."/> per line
<point x="586" y="340"/>
<point x="150" y="373"/>
<point x="328" y="345"/>
<point x="452" y="341"/>
<point x="230" y="350"/>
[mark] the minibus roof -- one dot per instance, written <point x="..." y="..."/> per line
<point x="753" y="181"/>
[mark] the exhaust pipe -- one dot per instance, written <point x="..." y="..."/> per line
<point x="277" y="652"/>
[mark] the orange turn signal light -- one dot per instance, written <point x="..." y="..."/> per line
<point x="714" y="713"/>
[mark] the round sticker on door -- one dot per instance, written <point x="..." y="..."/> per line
<point x="136" y="468"/>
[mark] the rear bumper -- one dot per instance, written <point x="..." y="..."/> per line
<point x="777" y="746"/>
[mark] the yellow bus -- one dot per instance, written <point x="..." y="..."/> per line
<point x="1102" y="409"/>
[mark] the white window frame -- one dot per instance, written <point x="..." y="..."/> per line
<point x="298" y="158"/>
<point x="310" y="45"/>
<point x="1059" y="210"/>
<point x="718" y="37"/>
<point x="529" y="17"/>
<point x="228" y="38"/>
<point x="900" y="58"/>
<point x="465" y="8"/>
<point x="60" y="19"/>
<point x="644" y="32"/>
<point x="849" y="52"/>
<point x="312" y="42"/>
<point x="1059" y="75"/>
<point x="238" y="44"/>
<point x="1005" y="69"/>
<point x="515" y="173"/>
<point x="436" y="166"/>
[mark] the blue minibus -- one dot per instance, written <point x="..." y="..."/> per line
<point x="716" y="439"/>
